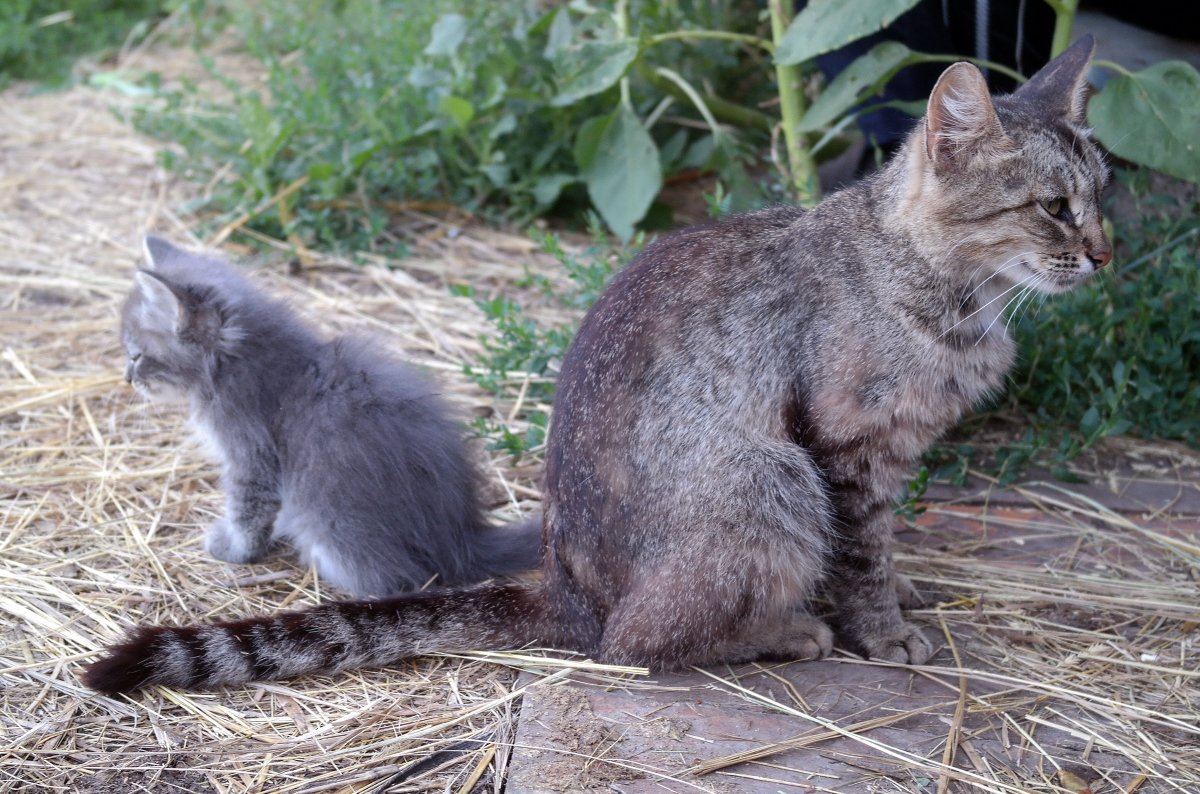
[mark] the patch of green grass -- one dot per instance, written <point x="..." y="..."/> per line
<point x="522" y="345"/>
<point x="1122" y="355"/>
<point x="365" y="104"/>
<point x="41" y="39"/>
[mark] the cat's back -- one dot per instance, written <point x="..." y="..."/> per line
<point x="360" y="426"/>
<point x="355" y="383"/>
<point x="725" y="303"/>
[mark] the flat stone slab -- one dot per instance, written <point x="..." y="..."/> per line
<point x="1125" y="486"/>
<point x="655" y="735"/>
<point x="867" y="727"/>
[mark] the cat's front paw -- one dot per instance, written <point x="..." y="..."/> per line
<point x="229" y="544"/>
<point x="906" y="644"/>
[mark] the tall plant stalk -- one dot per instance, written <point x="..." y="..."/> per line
<point x="801" y="165"/>
<point x="1064" y="20"/>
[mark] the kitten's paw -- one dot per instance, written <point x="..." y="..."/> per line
<point x="906" y="644"/>
<point x="229" y="544"/>
<point x="808" y="639"/>
<point x="906" y="593"/>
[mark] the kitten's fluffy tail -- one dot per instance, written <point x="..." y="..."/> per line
<point x="511" y="549"/>
<point x="326" y="639"/>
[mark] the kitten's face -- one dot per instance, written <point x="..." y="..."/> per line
<point x="159" y="363"/>
<point x="174" y="323"/>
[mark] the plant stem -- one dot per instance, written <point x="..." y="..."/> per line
<point x="1113" y="66"/>
<point x="742" y="38"/>
<point x="1064" y="20"/>
<point x="801" y="166"/>
<point x="621" y="16"/>
<point x="695" y="97"/>
<point x="723" y="110"/>
<point x="922" y="57"/>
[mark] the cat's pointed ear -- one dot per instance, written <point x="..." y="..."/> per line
<point x="157" y="250"/>
<point x="961" y="120"/>
<point x="1060" y="87"/>
<point x="160" y="306"/>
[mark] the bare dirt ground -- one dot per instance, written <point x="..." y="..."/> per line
<point x="102" y="502"/>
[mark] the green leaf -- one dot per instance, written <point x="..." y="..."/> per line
<point x="320" y="171"/>
<point x="364" y="151"/>
<point x="1152" y="117"/>
<point x="448" y="33"/>
<point x="548" y="188"/>
<point x="826" y="25"/>
<point x="590" y="67"/>
<point x="1090" y="421"/>
<point x="458" y="109"/>
<point x="559" y="34"/>
<point x="497" y="173"/>
<point x="506" y="124"/>
<point x="623" y="175"/>
<point x="866" y="75"/>
<point x="587" y="140"/>
<point x="121" y="82"/>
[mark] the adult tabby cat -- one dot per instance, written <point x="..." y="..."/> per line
<point x="738" y="411"/>
<point x="330" y="445"/>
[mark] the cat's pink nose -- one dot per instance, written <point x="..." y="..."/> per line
<point x="1101" y="256"/>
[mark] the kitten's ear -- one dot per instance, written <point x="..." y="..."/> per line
<point x="158" y="250"/>
<point x="160" y="306"/>
<point x="961" y="120"/>
<point x="1060" y="87"/>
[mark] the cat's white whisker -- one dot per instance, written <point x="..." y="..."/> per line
<point x="1024" y="301"/>
<point x="1039" y="303"/>
<point x="1024" y="284"/>
<point x="1013" y="261"/>
<point x="981" y="308"/>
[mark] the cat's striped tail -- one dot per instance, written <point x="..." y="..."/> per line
<point x="327" y="638"/>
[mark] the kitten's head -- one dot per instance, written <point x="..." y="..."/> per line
<point x="178" y="320"/>
<point x="1016" y="181"/>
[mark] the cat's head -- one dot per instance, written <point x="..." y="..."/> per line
<point x="178" y="320"/>
<point x="1015" y="182"/>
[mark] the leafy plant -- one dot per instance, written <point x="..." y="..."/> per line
<point x="370" y="107"/>
<point x="40" y="39"/>
<point x="367" y="105"/>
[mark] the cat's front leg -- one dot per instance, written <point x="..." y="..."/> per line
<point x="864" y="585"/>
<point x="251" y="504"/>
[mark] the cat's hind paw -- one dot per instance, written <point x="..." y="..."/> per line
<point x="906" y="644"/>
<point x="808" y="639"/>
<point x="229" y="544"/>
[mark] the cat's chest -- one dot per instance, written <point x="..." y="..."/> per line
<point x="204" y="434"/>
<point x="902" y="399"/>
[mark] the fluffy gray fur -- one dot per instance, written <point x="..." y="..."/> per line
<point x="739" y="410"/>
<point x="332" y="446"/>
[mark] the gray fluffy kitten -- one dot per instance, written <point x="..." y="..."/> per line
<point x="330" y="445"/>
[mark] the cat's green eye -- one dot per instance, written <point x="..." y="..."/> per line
<point x="1055" y="206"/>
